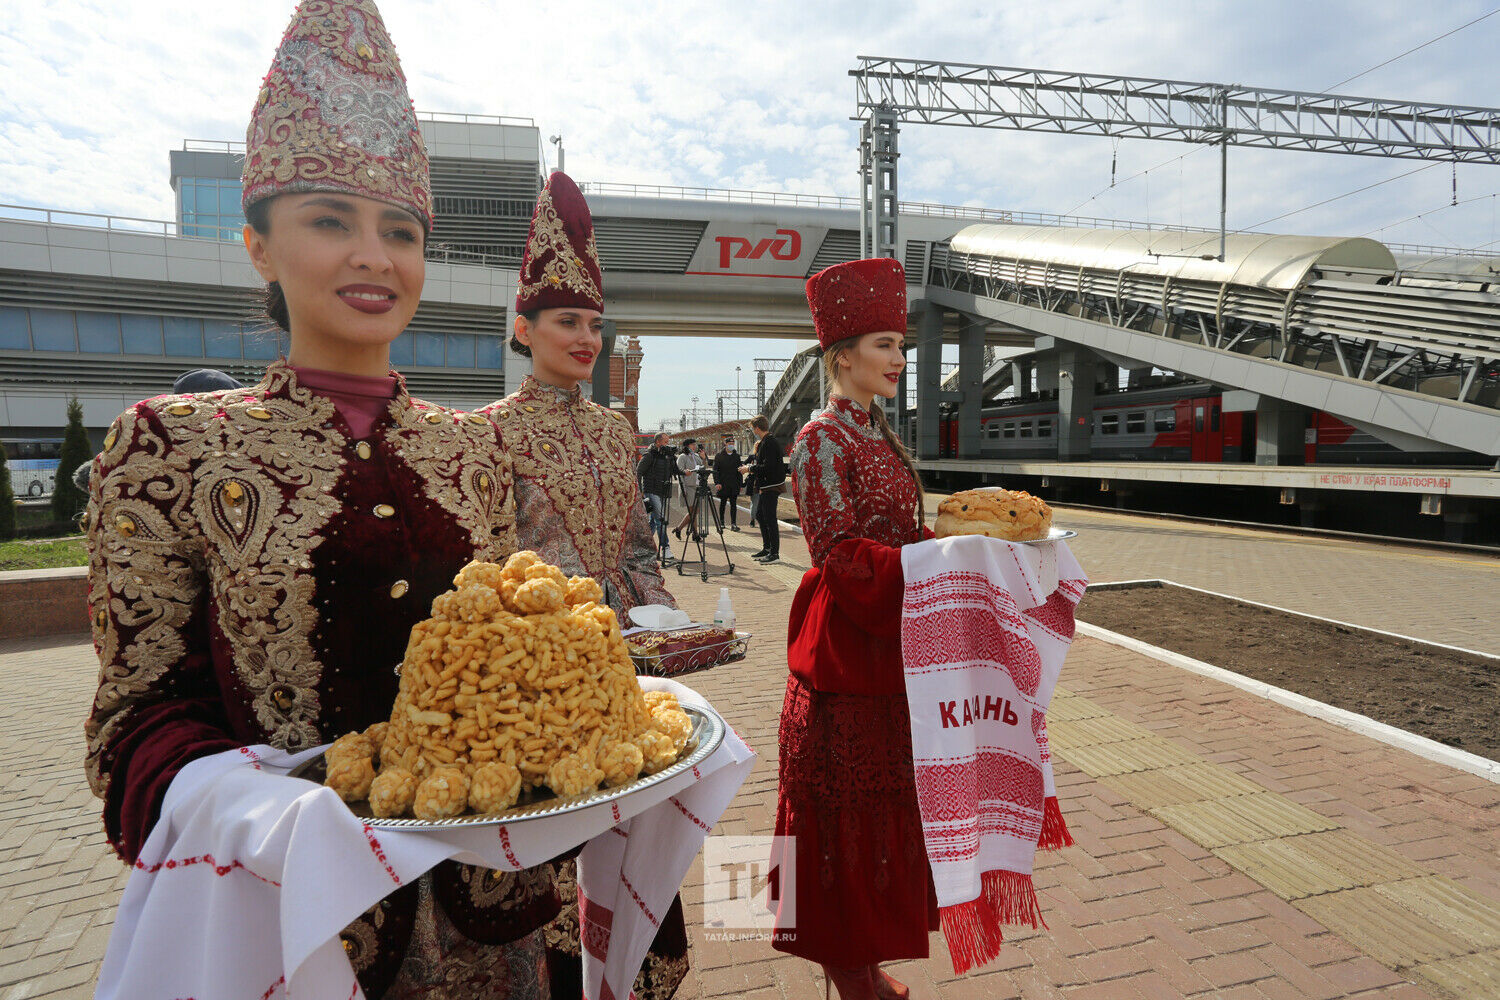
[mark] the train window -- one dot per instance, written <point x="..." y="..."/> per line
<point x="1135" y="423"/>
<point x="992" y="429"/>
<point x="1109" y="423"/>
<point x="1198" y="420"/>
<point x="1026" y="428"/>
<point x="1044" y="427"/>
<point x="1166" y="420"/>
<point x="1009" y="429"/>
<point x="1213" y="418"/>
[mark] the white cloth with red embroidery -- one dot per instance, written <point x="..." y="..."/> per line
<point x="249" y="876"/>
<point x="985" y="627"/>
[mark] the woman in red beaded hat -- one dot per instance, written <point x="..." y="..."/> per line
<point x="846" y="797"/>
<point x="577" y="501"/>
<point x="258" y="556"/>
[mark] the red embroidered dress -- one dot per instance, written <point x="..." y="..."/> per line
<point x="863" y="888"/>
<point x="255" y="569"/>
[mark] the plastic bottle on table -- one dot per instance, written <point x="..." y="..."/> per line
<point x="724" y="615"/>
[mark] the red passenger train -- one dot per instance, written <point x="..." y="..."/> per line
<point x="1179" y="423"/>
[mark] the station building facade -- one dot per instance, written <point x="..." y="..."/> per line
<point x="110" y="311"/>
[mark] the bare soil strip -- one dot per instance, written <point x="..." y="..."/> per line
<point x="1442" y="695"/>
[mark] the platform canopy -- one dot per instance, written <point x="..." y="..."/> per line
<point x="1259" y="259"/>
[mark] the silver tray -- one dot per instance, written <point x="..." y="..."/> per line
<point x="1053" y="535"/>
<point x="708" y="733"/>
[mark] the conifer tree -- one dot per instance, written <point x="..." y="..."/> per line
<point x="68" y="499"/>
<point x="7" y="501"/>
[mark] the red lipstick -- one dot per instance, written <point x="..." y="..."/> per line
<point x="368" y="298"/>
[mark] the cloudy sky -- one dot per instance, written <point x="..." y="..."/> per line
<point x="94" y="94"/>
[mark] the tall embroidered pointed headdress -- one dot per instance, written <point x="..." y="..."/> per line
<point x="333" y="114"/>
<point x="561" y="264"/>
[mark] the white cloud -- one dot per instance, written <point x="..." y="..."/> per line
<point x="94" y="94"/>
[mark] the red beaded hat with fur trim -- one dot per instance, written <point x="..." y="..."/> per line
<point x="333" y="114"/>
<point x="561" y="264"/>
<point x="857" y="297"/>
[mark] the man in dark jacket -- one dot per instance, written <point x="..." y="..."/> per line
<point x="655" y="471"/>
<point x="769" y="468"/>
<point x="728" y="480"/>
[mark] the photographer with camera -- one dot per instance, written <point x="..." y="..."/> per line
<point x="728" y="479"/>
<point x="655" y="471"/>
<point x="688" y="464"/>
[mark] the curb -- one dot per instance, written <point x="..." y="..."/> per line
<point x="1362" y="724"/>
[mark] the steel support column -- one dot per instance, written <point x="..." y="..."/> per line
<point x="600" y="387"/>
<point x="929" y="379"/>
<point x="1076" y="375"/>
<point x="877" y="171"/>
<point x="971" y="383"/>
<point x="1280" y="432"/>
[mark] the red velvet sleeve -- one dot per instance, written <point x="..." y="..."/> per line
<point x="158" y="704"/>
<point x="866" y="582"/>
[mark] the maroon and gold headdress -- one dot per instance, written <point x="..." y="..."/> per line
<point x="561" y="264"/>
<point x="333" y="114"/>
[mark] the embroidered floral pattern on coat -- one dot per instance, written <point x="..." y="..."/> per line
<point x="216" y="505"/>
<point x="849" y="483"/>
<point x="577" y="503"/>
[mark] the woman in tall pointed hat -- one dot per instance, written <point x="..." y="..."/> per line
<point x="577" y="501"/>
<point x="258" y="556"/>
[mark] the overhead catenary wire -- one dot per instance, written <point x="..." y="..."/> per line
<point x="1417" y="48"/>
<point x="1430" y="211"/>
<point x="1337" y="197"/>
<point x="1356" y="76"/>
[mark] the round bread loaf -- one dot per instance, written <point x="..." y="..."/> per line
<point x="1012" y="515"/>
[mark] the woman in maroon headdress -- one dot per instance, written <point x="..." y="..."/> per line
<point x="258" y="556"/>
<point x="846" y="795"/>
<point x="577" y="502"/>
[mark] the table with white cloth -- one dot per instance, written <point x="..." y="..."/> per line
<point x="250" y="874"/>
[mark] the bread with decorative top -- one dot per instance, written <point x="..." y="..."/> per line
<point x="1012" y="515"/>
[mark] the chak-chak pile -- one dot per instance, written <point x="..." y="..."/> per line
<point x="520" y="679"/>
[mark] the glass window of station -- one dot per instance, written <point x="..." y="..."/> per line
<point x="209" y="208"/>
<point x="64" y="331"/>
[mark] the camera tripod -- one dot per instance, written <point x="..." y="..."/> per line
<point x="702" y="497"/>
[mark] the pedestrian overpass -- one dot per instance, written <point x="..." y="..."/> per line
<point x="1288" y="321"/>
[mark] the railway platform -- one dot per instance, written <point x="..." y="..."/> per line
<point x="1226" y="846"/>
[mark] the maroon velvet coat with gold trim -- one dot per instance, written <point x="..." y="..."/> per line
<point x="254" y="573"/>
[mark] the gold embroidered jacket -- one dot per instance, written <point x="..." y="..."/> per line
<point x="255" y="570"/>
<point x="577" y="503"/>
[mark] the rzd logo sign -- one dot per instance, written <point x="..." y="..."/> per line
<point x="785" y="245"/>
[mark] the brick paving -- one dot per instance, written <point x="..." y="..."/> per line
<point x="1138" y="908"/>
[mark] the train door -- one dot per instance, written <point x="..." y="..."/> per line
<point x="1207" y="429"/>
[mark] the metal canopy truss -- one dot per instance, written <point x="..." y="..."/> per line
<point x="1441" y="345"/>
<point x="763" y="366"/>
<point x="791" y="385"/>
<point x="944" y="93"/>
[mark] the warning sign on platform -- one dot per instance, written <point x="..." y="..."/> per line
<point x="1396" y="484"/>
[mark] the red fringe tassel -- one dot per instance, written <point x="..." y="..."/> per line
<point x="1055" y="833"/>
<point x="972" y="929"/>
